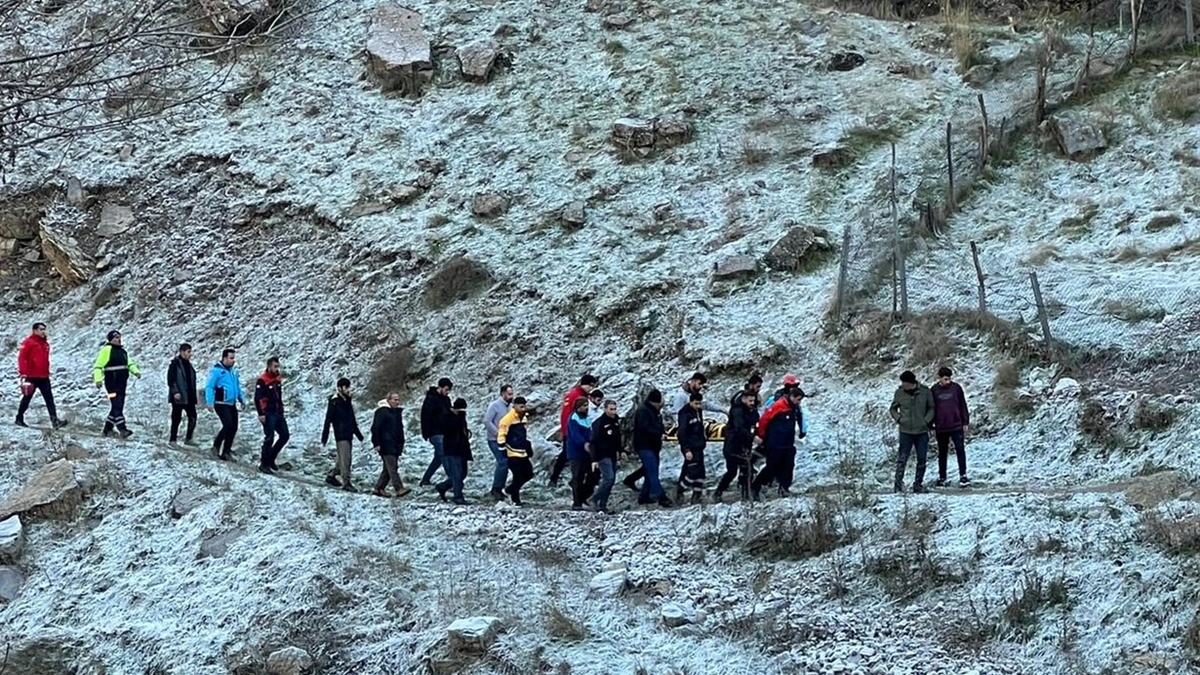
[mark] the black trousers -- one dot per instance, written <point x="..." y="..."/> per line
<point x="736" y="465"/>
<point x="583" y="481"/>
<point x="228" y="415"/>
<point x="560" y="463"/>
<point x="177" y="411"/>
<point x="275" y="436"/>
<point x="781" y="464"/>
<point x="40" y="384"/>
<point x="521" y="469"/>
<point x="116" y="411"/>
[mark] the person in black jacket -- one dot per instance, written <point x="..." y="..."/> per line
<point x="387" y="436"/>
<point x="648" y="434"/>
<point x="339" y="416"/>
<point x="739" y="442"/>
<point x="181" y="385"/>
<point x="604" y="447"/>
<point x="456" y="452"/>
<point x="434" y="413"/>
<point x="753" y="386"/>
<point x="692" y="440"/>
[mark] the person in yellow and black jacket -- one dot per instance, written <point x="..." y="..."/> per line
<point x="514" y="438"/>
<point x="111" y="371"/>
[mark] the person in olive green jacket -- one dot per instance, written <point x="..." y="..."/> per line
<point x="912" y="409"/>
<point x="111" y="371"/>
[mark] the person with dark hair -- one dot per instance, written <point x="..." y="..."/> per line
<point x="648" y="435"/>
<point x="692" y="386"/>
<point x="435" y="411"/>
<point x="514" y="438"/>
<point x="223" y="394"/>
<point x="912" y="409"/>
<point x="456" y="452"/>
<point x="387" y="437"/>
<point x="581" y="390"/>
<point x="777" y="429"/>
<point x="692" y="440"/>
<point x="181" y="388"/>
<point x="753" y="386"/>
<point x="268" y="401"/>
<point x="491" y="420"/>
<point x="33" y="367"/>
<point x="739" y="443"/>
<point x="339" y="416"/>
<point x="951" y="421"/>
<point x="595" y="405"/>
<point x="579" y="434"/>
<point x="111" y="371"/>
<point x="604" y="448"/>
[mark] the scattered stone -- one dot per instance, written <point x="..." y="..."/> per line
<point x="833" y="157"/>
<point x="230" y="16"/>
<point x="186" y="501"/>
<point x="369" y="208"/>
<point x="398" y="51"/>
<point x="289" y="661"/>
<point x="9" y="247"/>
<point x="478" y="63"/>
<point x="641" y="137"/>
<point x="1067" y="386"/>
<point x="633" y="132"/>
<point x="733" y="267"/>
<point x="74" y="191"/>
<point x="217" y="545"/>
<point x="474" y="634"/>
<point x="799" y="248"/>
<point x="18" y="223"/>
<point x="52" y="491"/>
<point x="1076" y="139"/>
<point x="489" y="205"/>
<point x="12" y="538"/>
<point x="1146" y="492"/>
<point x="11" y="582"/>
<point x="126" y="152"/>
<point x="671" y="131"/>
<point x="574" y="215"/>
<point x="616" y="21"/>
<point x="811" y="28"/>
<point x="675" y="615"/>
<point x="64" y="253"/>
<point x="913" y="71"/>
<point x="104" y="263"/>
<point x="846" y="61"/>
<point x="405" y="194"/>
<point x="1162" y="221"/>
<point x="32" y="255"/>
<point x="609" y="584"/>
<point x="114" y="219"/>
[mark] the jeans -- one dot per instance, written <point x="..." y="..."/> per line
<point x="608" y="475"/>
<point x="273" y="424"/>
<point x="116" y="411"/>
<point x="40" y="384"/>
<point x="456" y="471"/>
<point x="177" y="412"/>
<point x="907" y="443"/>
<point x="501" y="472"/>
<point x="391" y="471"/>
<point x="960" y="451"/>
<point x="652" y="489"/>
<point x="436" y="462"/>
<point x="228" y="414"/>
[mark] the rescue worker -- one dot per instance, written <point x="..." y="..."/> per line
<point x="111" y="371"/>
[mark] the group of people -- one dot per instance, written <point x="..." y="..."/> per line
<point x="592" y="431"/>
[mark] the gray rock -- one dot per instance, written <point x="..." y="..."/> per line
<point x="1162" y="221"/>
<point x="8" y="247"/>
<point x="797" y="249"/>
<point x="475" y="633"/>
<point x="398" y="51"/>
<point x="489" y="205"/>
<point x="12" y="538"/>
<point x="574" y="215"/>
<point x="609" y="584"/>
<point x="186" y="501"/>
<point x="616" y="21"/>
<point x="633" y="132"/>
<point x="11" y="581"/>
<point x="74" y="190"/>
<point x="114" y="219"/>
<point x="833" y="157"/>
<point x="477" y="63"/>
<point x="289" y="661"/>
<point x="1076" y="139"/>
<point x="53" y="490"/>
<point x="217" y="544"/>
<point x="675" y="615"/>
<point x="65" y="254"/>
<point x="734" y="267"/>
<point x="672" y="130"/>
<point x="844" y="61"/>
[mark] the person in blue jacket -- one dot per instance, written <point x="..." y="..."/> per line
<point x="223" y="394"/>
<point x="579" y="432"/>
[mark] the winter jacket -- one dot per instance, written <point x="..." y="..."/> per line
<point x="737" y="400"/>
<point x="778" y="425"/>
<point x="513" y="436"/>
<point x="579" y="432"/>
<point x="691" y="430"/>
<point x="224" y="386"/>
<point x="648" y="428"/>
<point x="387" y="430"/>
<point x="113" y="367"/>
<point x="491" y="418"/>
<point x="339" y="416"/>
<point x="34" y="358"/>
<point x="913" y="410"/>
<point x="683" y="397"/>
<point x="456" y="441"/>
<point x="949" y="407"/>
<point x="568" y="407"/>
<point x="606" y="438"/>
<point x="594" y="411"/>
<point x="433" y="414"/>
<point x="739" y="430"/>
<point x="268" y="394"/>
<point x="181" y="379"/>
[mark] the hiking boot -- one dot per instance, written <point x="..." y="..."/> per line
<point x="941" y="482"/>
<point x="54" y="423"/>
<point x="590" y="505"/>
<point x="332" y="480"/>
<point x="379" y="493"/>
<point x="516" y="499"/>
<point x="225" y="457"/>
<point x="497" y="495"/>
<point x="190" y="443"/>
<point x="578" y="507"/>
<point x="664" y="502"/>
<point x="441" y="492"/>
<point x="756" y="494"/>
<point x="349" y="488"/>
<point x="125" y="433"/>
<point x="697" y="497"/>
<point x="718" y="497"/>
<point x="107" y="433"/>
<point x="919" y="489"/>
<point x="631" y="484"/>
<point x="898" y="487"/>
<point x="785" y="492"/>
<point x="460" y="501"/>
<point x="263" y="468"/>
<point x="275" y="467"/>
<point x="963" y="482"/>
<point x="643" y="501"/>
<point x="424" y="483"/>
<point x="20" y="422"/>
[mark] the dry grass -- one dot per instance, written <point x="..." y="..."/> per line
<point x="1043" y="253"/>
<point x="930" y="343"/>
<point x="822" y="529"/>
<point x="1178" y="98"/>
<point x="1151" y="416"/>
<point x="562" y="626"/>
<point x="456" y="279"/>
<point x="1005" y="385"/>
<point x="1134" y="312"/>
<point x="1022" y="613"/>
<point x="391" y="372"/>
<point x="1173" y="534"/>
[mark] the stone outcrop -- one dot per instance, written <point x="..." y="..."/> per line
<point x="479" y="62"/>
<point x="489" y="205"/>
<point x="833" y="157"/>
<point x="1076" y="139"/>
<point x="52" y="491"/>
<point x="399" y="56"/>
<point x="11" y="581"/>
<point x="186" y="501"/>
<point x="640" y="137"/>
<point x="12" y="538"/>
<point x="734" y="267"/>
<point x="477" y="633"/>
<point x="289" y="661"/>
<point x="68" y="258"/>
<point x="798" y="249"/>
<point x="114" y="219"/>
<point x="237" y="16"/>
<point x="609" y="584"/>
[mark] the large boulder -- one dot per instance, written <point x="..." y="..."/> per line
<point x="675" y="615"/>
<point x="399" y="56"/>
<point x="609" y="584"/>
<point x="187" y="500"/>
<point x="289" y="661"/>
<point x="476" y="633"/>
<point x="12" y="538"/>
<point x="800" y="248"/>
<point x="216" y="544"/>
<point x="11" y="581"/>
<point x="1077" y="139"/>
<point x="52" y="491"/>
<point x="69" y="260"/>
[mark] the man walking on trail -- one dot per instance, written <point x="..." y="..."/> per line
<point x="181" y="389"/>
<point x="268" y="401"/>
<point x="434" y="413"/>
<point x="33" y="366"/>
<point x="648" y="435"/>
<point x="514" y="438"/>
<point x="951" y="421"/>
<point x="692" y="440"/>
<point x="387" y="437"/>
<point x="777" y="428"/>
<point x="579" y="435"/>
<point x="694" y="385"/>
<point x="456" y="451"/>
<point x="789" y="381"/>
<point x="604" y="448"/>
<point x="223" y="394"/>
<point x="595" y="405"/>
<point x="339" y="416"/>
<point x="111" y="370"/>
<point x="491" y="421"/>
<point x="586" y="384"/>
<point x="739" y="443"/>
<point x="753" y="386"/>
<point x="912" y="410"/>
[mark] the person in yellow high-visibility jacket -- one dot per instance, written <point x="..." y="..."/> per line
<point x="111" y="370"/>
<point x="513" y="437"/>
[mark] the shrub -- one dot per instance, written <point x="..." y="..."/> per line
<point x="1174" y="534"/>
<point x="1008" y="399"/>
<point x="561" y="626"/>
<point x="1022" y="612"/>
<point x="391" y="372"/>
<point x="1152" y="416"/>
<point x="457" y="279"/>
<point x="930" y="342"/>
<point x="1178" y="99"/>
<point x="1095" y="423"/>
<point x="797" y="536"/>
<point x="1191" y="637"/>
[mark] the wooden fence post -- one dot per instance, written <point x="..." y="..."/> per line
<point x="1041" y="308"/>
<point x="895" y="238"/>
<point x="979" y="276"/>
<point x="843" y="277"/>
<point x="984" y="142"/>
<point x="951" y="207"/>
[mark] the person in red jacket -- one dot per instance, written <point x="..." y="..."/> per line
<point x="33" y="365"/>
<point x="586" y="384"/>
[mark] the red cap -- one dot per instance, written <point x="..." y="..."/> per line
<point x="790" y="379"/>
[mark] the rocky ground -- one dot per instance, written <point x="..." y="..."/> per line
<point x="639" y="190"/>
